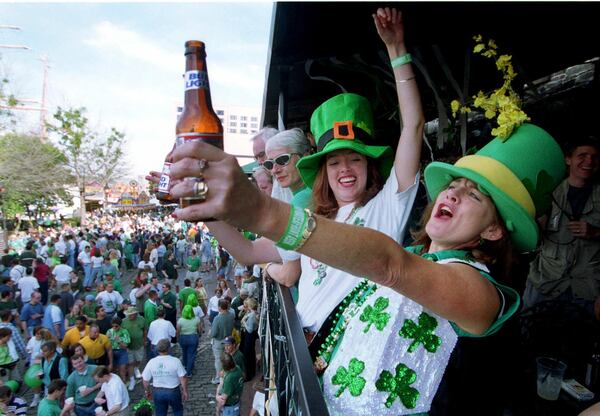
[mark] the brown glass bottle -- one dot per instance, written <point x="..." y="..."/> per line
<point x="198" y="121"/>
<point x="162" y="193"/>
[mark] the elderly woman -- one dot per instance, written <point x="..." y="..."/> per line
<point x="393" y="334"/>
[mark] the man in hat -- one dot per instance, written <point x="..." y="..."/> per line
<point x="566" y="267"/>
<point x="169" y="384"/>
<point x="231" y="348"/>
<point x="229" y="394"/>
<point x="137" y="331"/>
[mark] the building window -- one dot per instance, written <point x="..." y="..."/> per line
<point x="253" y="118"/>
<point x="222" y="120"/>
<point x="232" y="117"/>
<point x="220" y="112"/>
<point x="243" y="131"/>
<point x="232" y="124"/>
<point x="254" y="125"/>
<point x="243" y="118"/>
<point x="243" y="124"/>
<point x="232" y="131"/>
<point x="253" y="131"/>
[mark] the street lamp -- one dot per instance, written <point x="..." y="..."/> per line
<point x="106" y="192"/>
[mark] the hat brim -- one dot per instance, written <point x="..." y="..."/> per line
<point x="308" y="166"/>
<point x="521" y="226"/>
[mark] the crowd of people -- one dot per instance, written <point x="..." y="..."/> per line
<point x="89" y="313"/>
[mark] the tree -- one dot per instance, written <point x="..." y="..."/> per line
<point x="32" y="173"/>
<point x="89" y="157"/>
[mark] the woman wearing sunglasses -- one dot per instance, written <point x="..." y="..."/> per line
<point x="394" y="333"/>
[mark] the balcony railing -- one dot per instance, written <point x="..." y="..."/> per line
<point x="287" y="364"/>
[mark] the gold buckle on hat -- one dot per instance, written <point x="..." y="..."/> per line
<point x="343" y="130"/>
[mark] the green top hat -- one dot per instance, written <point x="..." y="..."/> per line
<point x="518" y="173"/>
<point x="343" y="122"/>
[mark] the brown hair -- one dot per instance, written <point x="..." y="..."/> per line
<point x="324" y="200"/>
<point x="498" y="255"/>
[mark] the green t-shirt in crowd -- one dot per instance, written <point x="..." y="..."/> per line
<point x="238" y="357"/>
<point x="233" y="383"/>
<point x="188" y="326"/>
<point x="135" y="327"/>
<point x="184" y="293"/>
<point x="171" y="299"/>
<point x="149" y="312"/>
<point x="118" y="337"/>
<point x="89" y="310"/>
<point x="193" y="263"/>
<point x="48" y="407"/>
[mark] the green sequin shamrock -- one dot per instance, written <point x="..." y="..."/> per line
<point x="399" y="386"/>
<point x="375" y="315"/>
<point x="350" y="378"/>
<point x="422" y="333"/>
<point x="359" y="222"/>
<point x="321" y="274"/>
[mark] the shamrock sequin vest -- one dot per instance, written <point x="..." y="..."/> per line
<point x="393" y="354"/>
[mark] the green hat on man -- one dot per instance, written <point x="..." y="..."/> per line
<point x="343" y="122"/>
<point x="519" y="175"/>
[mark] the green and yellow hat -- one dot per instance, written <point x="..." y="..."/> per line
<point x="518" y="173"/>
<point x="343" y="122"/>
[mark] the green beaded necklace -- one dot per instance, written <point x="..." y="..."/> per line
<point x="346" y="310"/>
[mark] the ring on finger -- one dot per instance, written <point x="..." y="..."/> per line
<point x="202" y="165"/>
<point x="200" y="189"/>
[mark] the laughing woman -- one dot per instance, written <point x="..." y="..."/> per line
<point x="394" y="333"/>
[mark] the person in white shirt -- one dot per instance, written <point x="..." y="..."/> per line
<point x="85" y="259"/>
<point x="61" y="272"/>
<point x="169" y="382"/>
<point x="17" y="271"/>
<point x="159" y="329"/>
<point x="27" y="284"/>
<point x="113" y="392"/>
<point x="61" y="246"/>
<point x="97" y="261"/>
<point x="109" y="299"/>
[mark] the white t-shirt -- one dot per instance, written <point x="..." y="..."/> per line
<point x="388" y="213"/>
<point x="115" y="392"/>
<point x="164" y="371"/>
<point x="160" y="329"/>
<point x="142" y="265"/>
<point x="109" y="301"/>
<point x="97" y="261"/>
<point x="154" y="256"/>
<point x="61" y="273"/>
<point x="198" y="312"/>
<point x="132" y="297"/>
<point x="17" y="273"/>
<point x="34" y="348"/>
<point x="82" y="245"/>
<point x="27" y="285"/>
<point x="61" y="247"/>
<point x="213" y="304"/>
<point x="84" y="258"/>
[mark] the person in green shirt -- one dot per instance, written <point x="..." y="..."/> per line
<point x="5" y="358"/>
<point x="119" y="340"/>
<point x="169" y="302"/>
<point x="150" y="307"/>
<point x="193" y="263"/>
<point x="231" y="348"/>
<point x="50" y="405"/>
<point x="89" y="307"/>
<point x="81" y="385"/>
<point x="136" y="326"/>
<point x="229" y="393"/>
<point x="185" y="292"/>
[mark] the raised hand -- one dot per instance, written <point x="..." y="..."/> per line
<point x="389" y="25"/>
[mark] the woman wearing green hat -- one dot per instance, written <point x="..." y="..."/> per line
<point x="393" y="334"/>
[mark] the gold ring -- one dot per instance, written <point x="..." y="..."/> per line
<point x="200" y="189"/>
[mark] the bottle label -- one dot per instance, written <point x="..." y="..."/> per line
<point x="165" y="178"/>
<point x="216" y="139"/>
<point x="195" y="80"/>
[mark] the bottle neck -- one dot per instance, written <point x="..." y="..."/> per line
<point x="197" y="88"/>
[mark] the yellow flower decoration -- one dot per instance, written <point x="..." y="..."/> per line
<point x="503" y="103"/>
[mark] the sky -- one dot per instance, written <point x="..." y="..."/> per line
<point x="124" y="63"/>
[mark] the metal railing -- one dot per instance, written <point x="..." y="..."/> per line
<point x="287" y="365"/>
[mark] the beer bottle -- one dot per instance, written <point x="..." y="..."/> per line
<point x="162" y="194"/>
<point x="198" y="121"/>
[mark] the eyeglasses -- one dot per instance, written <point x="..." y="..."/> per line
<point x="282" y="160"/>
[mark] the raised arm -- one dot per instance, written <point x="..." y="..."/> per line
<point x="390" y="27"/>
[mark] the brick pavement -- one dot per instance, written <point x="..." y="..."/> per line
<point x="201" y="400"/>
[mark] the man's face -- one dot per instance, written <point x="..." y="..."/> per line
<point x="258" y="148"/>
<point x="80" y="325"/>
<point x="35" y="298"/>
<point x="94" y="332"/>
<point x="109" y="287"/>
<point x="47" y="352"/>
<point x="78" y="364"/>
<point x="583" y="163"/>
<point x="101" y="313"/>
<point x="229" y="348"/>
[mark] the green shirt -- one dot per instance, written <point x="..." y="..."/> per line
<point x="48" y="407"/>
<point x="75" y="380"/>
<point x="233" y="383"/>
<point x="149" y="312"/>
<point x="116" y="284"/>
<point x="193" y="263"/>
<point x="118" y="337"/>
<point x="135" y="327"/>
<point x="171" y="299"/>
<point x="184" y="293"/>
<point x="302" y="198"/>
<point x="89" y="310"/>
<point x="5" y="357"/>
<point x="238" y="357"/>
<point x="188" y="326"/>
<point x="8" y="306"/>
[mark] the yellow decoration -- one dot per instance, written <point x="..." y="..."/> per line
<point x="502" y="103"/>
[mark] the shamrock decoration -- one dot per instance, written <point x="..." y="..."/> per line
<point x="375" y="315"/>
<point x="321" y="274"/>
<point x="350" y="378"/>
<point x="422" y="333"/>
<point x="399" y="386"/>
<point x="359" y="222"/>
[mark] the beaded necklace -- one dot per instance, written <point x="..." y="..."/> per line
<point x="345" y="312"/>
<point x="322" y="268"/>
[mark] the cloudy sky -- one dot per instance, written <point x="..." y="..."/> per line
<point x="123" y="62"/>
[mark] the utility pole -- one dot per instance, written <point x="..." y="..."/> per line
<point x="43" y="131"/>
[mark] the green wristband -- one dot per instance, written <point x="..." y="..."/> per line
<point x="401" y="60"/>
<point x="292" y="237"/>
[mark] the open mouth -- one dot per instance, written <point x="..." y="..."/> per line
<point x="444" y="211"/>
<point x="347" y="181"/>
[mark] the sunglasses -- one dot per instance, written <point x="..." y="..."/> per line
<point x="282" y="160"/>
